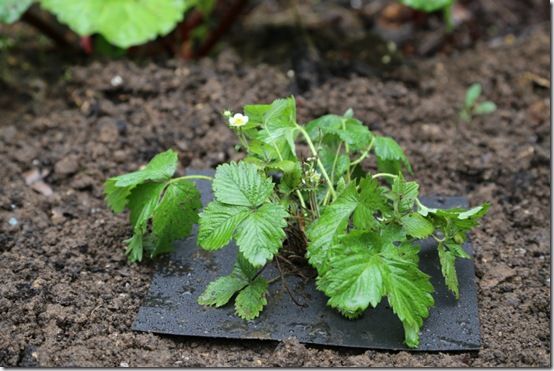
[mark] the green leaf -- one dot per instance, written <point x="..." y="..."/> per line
<point x="356" y="134"/>
<point x="457" y="250"/>
<point x="447" y="260"/>
<point x="427" y="6"/>
<point x="351" y="131"/>
<point x="333" y="221"/>
<point x="404" y="194"/>
<point x="454" y="223"/>
<point x="252" y="299"/>
<point x="371" y="200"/>
<point x="472" y="94"/>
<point x="292" y="174"/>
<point x="261" y="234"/>
<point x="246" y="268"/>
<point x="365" y="269"/>
<point x="220" y="291"/>
<point x="354" y="281"/>
<point x="142" y="201"/>
<point x="12" y="10"/>
<point x="255" y="113"/>
<point x="160" y="168"/>
<point x="134" y="248"/>
<point x="118" y="189"/>
<point x="241" y="184"/>
<point x="409" y="293"/>
<point x="263" y="151"/>
<point x="424" y="210"/>
<point x="279" y="125"/>
<point x="335" y="217"/>
<point x="388" y="150"/>
<point x="485" y="108"/>
<point x="175" y="215"/>
<point x="327" y="124"/>
<point x="123" y="23"/>
<point x="116" y="197"/>
<point x="475" y="212"/>
<point x="391" y="233"/>
<point x="327" y="154"/>
<point x="408" y="251"/>
<point x="416" y="225"/>
<point x="218" y="223"/>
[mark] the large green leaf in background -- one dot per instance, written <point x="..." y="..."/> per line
<point x="11" y="10"/>
<point x="427" y="5"/>
<point x="123" y="23"/>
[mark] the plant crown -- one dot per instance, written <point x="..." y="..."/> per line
<point x="361" y="227"/>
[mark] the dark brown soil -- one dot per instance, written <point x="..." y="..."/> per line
<point x="68" y="296"/>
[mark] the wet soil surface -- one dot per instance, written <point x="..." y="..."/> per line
<point x="68" y="296"/>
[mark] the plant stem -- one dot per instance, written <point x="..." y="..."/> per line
<point x="448" y="17"/>
<point x="347" y="149"/>
<point x="315" y="206"/>
<point x="346" y="146"/>
<point x="225" y="23"/>
<point x="384" y="175"/>
<point x="242" y="139"/>
<point x="439" y="240"/>
<point x="363" y="155"/>
<point x="187" y="177"/>
<point x="301" y="199"/>
<point x="319" y="163"/>
<point x="298" y="193"/>
<point x="258" y="273"/>
<point x="422" y="206"/>
<point x="333" y="173"/>
<point x="335" y="162"/>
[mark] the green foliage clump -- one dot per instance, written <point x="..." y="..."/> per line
<point x="162" y="209"/>
<point x="123" y="23"/>
<point x="362" y="227"/>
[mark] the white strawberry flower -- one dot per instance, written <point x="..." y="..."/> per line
<point x="238" y="120"/>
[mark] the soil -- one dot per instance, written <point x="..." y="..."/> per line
<point x="68" y="296"/>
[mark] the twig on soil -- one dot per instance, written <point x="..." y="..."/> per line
<point x="192" y="21"/>
<point x="286" y="287"/>
<point x="295" y="271"/>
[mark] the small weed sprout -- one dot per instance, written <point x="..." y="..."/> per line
<point x="471" y="107"/>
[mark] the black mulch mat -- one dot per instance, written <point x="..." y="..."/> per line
<point x="171" y="308"/>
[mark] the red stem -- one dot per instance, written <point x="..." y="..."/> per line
<point x="47" y="29"/>
<point x="226" y="22"/>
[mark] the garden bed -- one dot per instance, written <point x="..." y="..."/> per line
<point x="69" y="297"/>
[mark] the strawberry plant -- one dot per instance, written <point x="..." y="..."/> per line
<point x="358" y="229"/>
